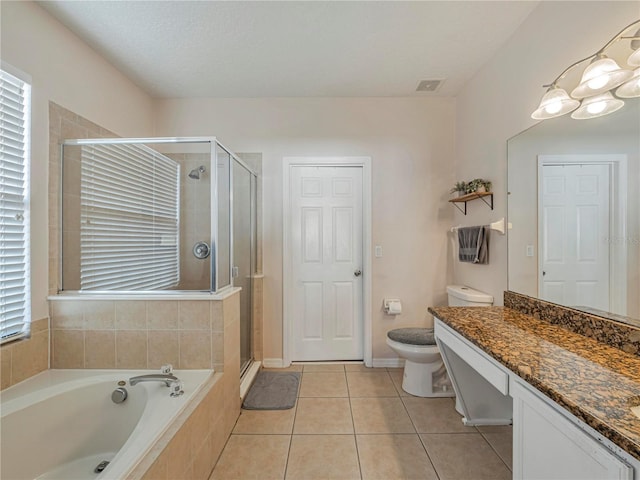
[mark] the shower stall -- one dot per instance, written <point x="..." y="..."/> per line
<point x="153" y="215"/>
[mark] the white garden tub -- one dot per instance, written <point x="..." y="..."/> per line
<point x="61" y="424"/>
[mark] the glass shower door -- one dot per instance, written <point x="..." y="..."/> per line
<point x="244" y="254"/>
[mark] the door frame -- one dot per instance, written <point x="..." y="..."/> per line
<point x="617" y="222"/>
<point x="287" y="276"/>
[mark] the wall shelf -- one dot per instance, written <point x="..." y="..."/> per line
<point x="472" y="196"/>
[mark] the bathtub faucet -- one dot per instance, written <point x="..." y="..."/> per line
<point x="167" y="378"/>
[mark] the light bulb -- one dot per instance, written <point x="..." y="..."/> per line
<point x="553" y="107"/>
<point x="601" y="74"/>
<point x="596" y="83"/>
<point x="596" y="107"/>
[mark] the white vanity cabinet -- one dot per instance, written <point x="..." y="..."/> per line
<point x="549" y="446"/>
<point x="548" y="442"/>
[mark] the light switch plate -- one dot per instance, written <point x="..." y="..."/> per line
<point x="378" y="251"/>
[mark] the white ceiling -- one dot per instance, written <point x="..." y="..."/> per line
<point x="295" y="48"/>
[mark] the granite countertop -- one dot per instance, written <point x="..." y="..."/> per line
<point x="593" y="381"/>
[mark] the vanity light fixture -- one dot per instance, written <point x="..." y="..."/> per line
<point x="597" y="106"/>
<point x="595" y="89"/>
<point x="631" y="88"/>
<point x="634" y="58"/>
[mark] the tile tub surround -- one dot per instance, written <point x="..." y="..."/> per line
<point x="191" y="447"/>
<point x="618" y="335"/>
<point x="192" y="444"/>
<point x="25" y="358"/>
<point x="189" y="334"/>
<point x="592" y="380"/>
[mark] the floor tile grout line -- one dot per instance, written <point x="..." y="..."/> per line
<point x="496" y="451"/>
<point x="353" y="425"/>
<point x="424" y="447"/>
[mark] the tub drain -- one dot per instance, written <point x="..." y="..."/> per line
<point x="101" y="466"/>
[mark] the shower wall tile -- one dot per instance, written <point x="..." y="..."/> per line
<point x="131" y="315"/>
<point x="99" y="315"/>
<point x="217" y="316"/>
<point x="195" y="349"/>
<point x="163" y="348"/>
<point x="68" y="349"/>
<point x="67" y="315"/>
<point x="162" y="315"/>
<point x="217" y="348"/>
<point x="143" y="333"/>
<point x="131" y="349"/>
<point x="100" y="349"/>
<point x="194" y="315"/>
<point x="5" y="367"/>
<point x="30" y="356"/>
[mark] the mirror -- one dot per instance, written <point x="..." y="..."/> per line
<point x="574" y="209"/>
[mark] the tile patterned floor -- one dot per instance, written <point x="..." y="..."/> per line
<point x="352" y="422"/>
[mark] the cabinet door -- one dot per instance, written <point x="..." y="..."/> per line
<point x="547" y="446"/>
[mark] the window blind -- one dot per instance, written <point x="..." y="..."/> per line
<point x="15" y="303"/>
<point x="129" y="218"/>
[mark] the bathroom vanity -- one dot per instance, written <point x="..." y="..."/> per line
<point x="570" y="397"/>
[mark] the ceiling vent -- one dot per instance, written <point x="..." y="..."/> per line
<point x="429" y="85"/>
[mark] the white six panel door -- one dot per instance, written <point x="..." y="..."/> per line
<point x="326" y="239"/>
<point x="575" y="226"/>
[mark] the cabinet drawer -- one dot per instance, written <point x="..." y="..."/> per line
<point x="480" y="361"/>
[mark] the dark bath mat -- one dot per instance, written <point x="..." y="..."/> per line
<point x="273" y="391"/>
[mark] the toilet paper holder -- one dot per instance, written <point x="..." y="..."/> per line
<point x="392" y="306"/>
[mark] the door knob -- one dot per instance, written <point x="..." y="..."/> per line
<point x="357" y="273"/>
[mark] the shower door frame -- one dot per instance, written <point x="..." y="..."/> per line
<point x="253" y="241"/>
<point x="213" y="142"/>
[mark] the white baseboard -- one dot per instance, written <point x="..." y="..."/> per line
<point x="388" y="362"/>
<point x="272" y="363"/>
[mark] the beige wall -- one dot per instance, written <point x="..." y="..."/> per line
<point x="64" y="70"/>
<point x="410" y="141"/>
<point x="497" y="103"/>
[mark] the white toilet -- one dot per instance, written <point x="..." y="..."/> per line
<point x="424" y="372"/>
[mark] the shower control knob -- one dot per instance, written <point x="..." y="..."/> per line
<point x="357" y="273"/>
<point x="201" y="250"/>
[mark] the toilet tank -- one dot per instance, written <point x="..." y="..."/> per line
<point x="461" y="296"/>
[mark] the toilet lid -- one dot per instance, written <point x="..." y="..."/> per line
<point x="413" y="336"/>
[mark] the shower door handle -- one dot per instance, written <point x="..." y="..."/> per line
<point x="357" y="273"/>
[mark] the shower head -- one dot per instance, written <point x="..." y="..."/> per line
<point x="195" y="173"/>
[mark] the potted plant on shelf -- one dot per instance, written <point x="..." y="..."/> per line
<point x="478" y="185"/>
<point x="460" y="188"/>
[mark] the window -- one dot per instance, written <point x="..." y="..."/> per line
<point x="15" y="297"/>
<point x="129" y="218"/>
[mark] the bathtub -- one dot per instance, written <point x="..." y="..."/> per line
<point x="61" y="424"/>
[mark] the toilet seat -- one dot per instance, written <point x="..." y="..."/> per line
<point x="412" y="336"/>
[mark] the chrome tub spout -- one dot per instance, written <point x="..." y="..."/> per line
<point x="166" y="378"/>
